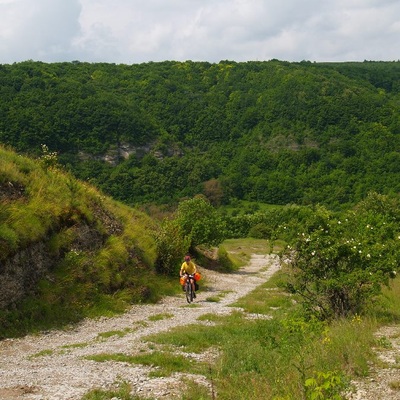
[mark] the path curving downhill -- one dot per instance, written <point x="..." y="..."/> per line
<point x="52" y="366"/>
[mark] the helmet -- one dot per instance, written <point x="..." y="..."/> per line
<point x="187" y="258"/>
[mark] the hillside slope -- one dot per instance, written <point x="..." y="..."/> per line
<point x="66" y="250"/>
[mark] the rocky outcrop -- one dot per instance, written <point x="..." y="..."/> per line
<point x="10" y="191"/>
<point x="118" y="153"/>
<point x="20" y="274"/>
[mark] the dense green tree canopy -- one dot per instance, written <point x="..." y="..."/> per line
<point x="274" y="131"/>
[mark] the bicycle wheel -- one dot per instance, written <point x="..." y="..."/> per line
<point x="188" y="291"/>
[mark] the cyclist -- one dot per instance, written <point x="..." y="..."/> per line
<point x="189" y="268"/>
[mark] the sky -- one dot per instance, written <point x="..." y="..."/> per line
<point x="138" y="31"/>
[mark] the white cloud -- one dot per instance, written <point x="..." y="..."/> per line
<point x="130" y="31"/>
<point x="40" y="29"/>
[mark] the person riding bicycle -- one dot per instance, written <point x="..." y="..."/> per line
<point x="189" y="268"/>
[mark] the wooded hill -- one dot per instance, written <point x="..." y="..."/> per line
<point x="273" y="132"/>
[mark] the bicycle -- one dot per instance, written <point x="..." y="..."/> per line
<point x="189" y="288"/>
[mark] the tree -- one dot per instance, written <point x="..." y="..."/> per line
<point x="195" y="222"/>
<point x="338" y="265"/>
<point x="200" y="221"/>
<point x="214" y="191"/>
<point x="171" y="244"/>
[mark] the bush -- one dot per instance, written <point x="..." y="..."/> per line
<point x="339" y="263"/>
<point x="171" y="244"/>
<point x="200" y="222"/>
<point x="224" y="262"/>
<point x="260" y="231"/>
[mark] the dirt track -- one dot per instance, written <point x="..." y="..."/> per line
<point x="384" y="380"/>
<point x="51" y="366"/>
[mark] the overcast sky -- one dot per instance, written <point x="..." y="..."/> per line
<point x="137" y="31"/>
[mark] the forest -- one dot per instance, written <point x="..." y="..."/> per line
<point x="270" y="132"/>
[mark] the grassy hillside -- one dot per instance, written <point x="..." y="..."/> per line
<point x="66" y="250"/>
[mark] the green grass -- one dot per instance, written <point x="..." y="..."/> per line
<point x="75" y="345"/>
<point x="386" y="308"/>
<point x="119" y="333"/>
<point x="42" y="353"/>
<point x="193" y="391"/>
<point x="242" y="207"/>
<point x="160" y="317"/>
<point x="163" y="363"/>
<point x="277" y="355"/>
<point x="213" y="299"/>
<point x="272" y="302"/>
<point x="218" y="297"/>
<point x="211" y="318"/>
<point x="267" y="298"/>
<point x="236" y="253"/>
<point x="196" y="338"/>
<point x="246" y="247"/>
<point x="121" y="392"/>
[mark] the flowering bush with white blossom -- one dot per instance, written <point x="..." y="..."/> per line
<point x="338" y="265"/>
<point x="48" y="159"/>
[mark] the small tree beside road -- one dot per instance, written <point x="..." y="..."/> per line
<point x="196" y="222"/>
<point x="200" y="221"/>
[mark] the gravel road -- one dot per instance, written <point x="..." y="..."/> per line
<point x="383" y="383"/>
<point x="52" y="365"/>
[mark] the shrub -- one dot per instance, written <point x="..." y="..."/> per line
<point x="340" y="264"/>
<point x="200" y="222"/>
<point x="171" y="245"/>
<point x="224" y="261"/>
